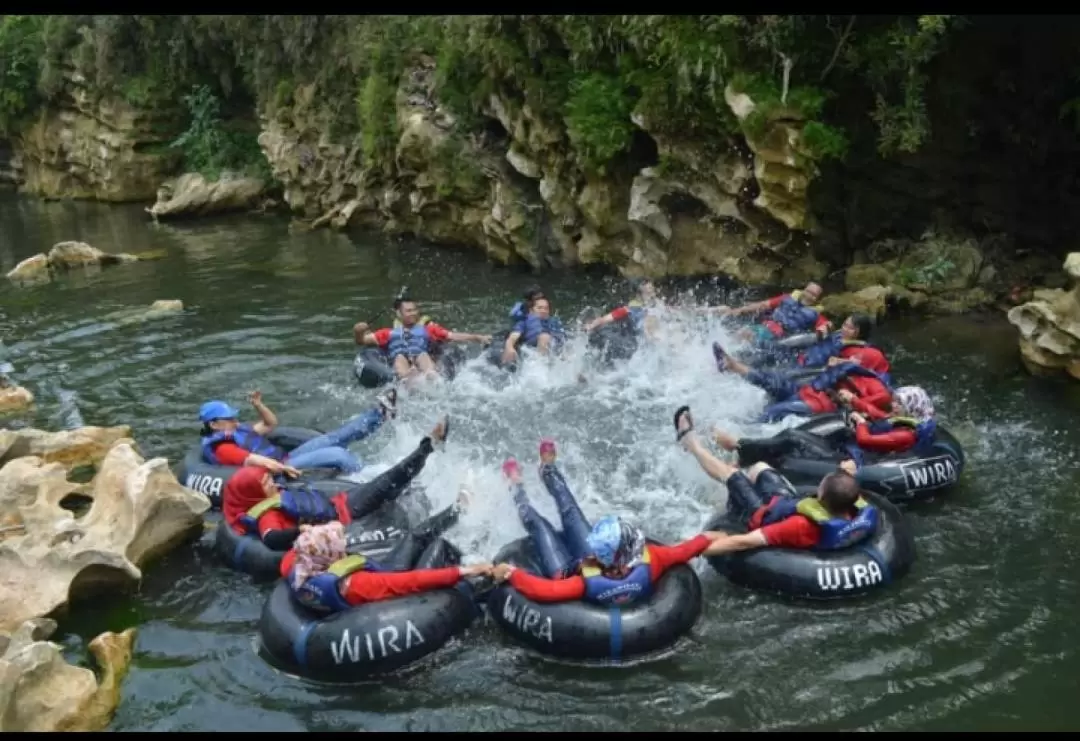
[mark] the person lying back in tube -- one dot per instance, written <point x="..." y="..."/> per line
<point x="637" y="312"/>
<point x="324" y="577"/>
<point x="859" y="378"/>
<point x="410" y="343"/>
<point x="606" y="564"/>
<point x="760" y="498"/>
<point x="790" y="313"/>
<point x="911" y="427"/>
<point x="254" y="504"/>
<point x="227" y="442"/>
<point x="539" y="330"/>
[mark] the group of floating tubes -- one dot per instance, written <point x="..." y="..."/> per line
<point x="380" y="637"/>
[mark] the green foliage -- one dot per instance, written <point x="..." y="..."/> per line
<point x="824" y="141"/>
<point x="459" y="174"/>
<point x="598" y="119"/>
<point x="209" y="147"/>
<point x="20" y="53"/>
<point x="932" y="273"/>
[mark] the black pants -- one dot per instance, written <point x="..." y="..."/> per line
<point x="386" y="487"/>
<point x="422" y="547"/>
<point x="787" y="443"/>
<point x="745" y="498"/>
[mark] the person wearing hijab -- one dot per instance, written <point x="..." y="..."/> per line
<point x="324" y="577"/>
<point x="254" y="504"/>
<point x="609" y="563"/>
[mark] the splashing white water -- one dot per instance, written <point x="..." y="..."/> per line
<point x="614" y="432"/>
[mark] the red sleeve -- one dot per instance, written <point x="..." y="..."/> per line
<point x="873" y="406"/>
<point x="231" y="454"/>
<point x="287" y="562"/>
<point x="793" y="532"/>
<point x="821" y="322"/>
<point x="663" y="557"/>
<point x="775" y="301"/>
<point x="539" y="589"/>
<point x="895" y="440"/>
<point x="437" y="332"/>
<point x="275" y="519"/>
<point x="382" y="336"/>
<point x="373" y="586"/>
<point x="620" y="313"/>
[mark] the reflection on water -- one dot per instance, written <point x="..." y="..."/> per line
<point x="978" y="636"/>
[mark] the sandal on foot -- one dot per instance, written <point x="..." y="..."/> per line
<point x="680" y="434"/>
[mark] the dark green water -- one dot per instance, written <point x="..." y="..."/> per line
<point x="980" y="635"/>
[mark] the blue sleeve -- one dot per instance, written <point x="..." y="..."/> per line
<point x="519" y="326"/>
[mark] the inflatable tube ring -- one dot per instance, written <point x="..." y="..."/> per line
<point x="581" y="632"/>
<point x="866" y="567"/>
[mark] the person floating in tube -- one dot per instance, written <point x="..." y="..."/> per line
<point x="539" y="330"/>
<point x="790" y="314"/>
<point x="227" y="442"/>
<point x="858" y="377"/>
<point x="254" y="504"/>
<point x="609" y="563"/>
<point x="912" y="427"/>
<point x="411" y="342"/>
<point x="760" y="498"/>
<point x="636" y="311"/>
<point x="521" y="309"/>
<point x="324" y="577"/>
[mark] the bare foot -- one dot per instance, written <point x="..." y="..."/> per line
<point x="725" y="440"/>
<point x="440" y="430"/>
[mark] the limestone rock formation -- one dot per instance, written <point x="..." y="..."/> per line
<point x="83" y="446"/>
<point x="12" y="396"/>
<point x="48" y="555"/>
<point x="102" y="148"/>
<point x="40" y="268"/>
<point x="1049" y="327"/>
<point x="516" y="191"/>
<point x="39" y="691"/>
<point x="936" y="274"/>
<point x="192" y="194"/>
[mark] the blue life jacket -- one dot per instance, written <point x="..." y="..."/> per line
<point x="794" y="316"/>
<point x="244" y="436"/>
<point x="636" y="314"/>
<point x="518" y="312"/>
<point x="832" y="375"/>
<point x="634" y="587"/>
<point x="533" y="326"/>
<point x="830" y="347"/>
<point x="834" y="533"/>
<point x="925" y="433"/>
<point x="322" y="592"/>
<point x="408" y="342"/>
<point x="298" y="501"/>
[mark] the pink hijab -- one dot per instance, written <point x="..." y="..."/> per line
<point x="317" y="547"/>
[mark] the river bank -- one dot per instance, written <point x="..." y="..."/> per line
<point x="551" y="142"/>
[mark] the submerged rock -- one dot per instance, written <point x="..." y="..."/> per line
<point x="1050" y="327"/>
<point x="14" y="398"/>
<point x="39" y="691"/>
<point x="65" y="256"/>
<point x="48" y="555"/>
<point x="191" y="194"/>
<point x="156" y="310"/>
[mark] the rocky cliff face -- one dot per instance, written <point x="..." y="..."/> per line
<point x="82" y="146"/>
<point x="515" y="190"/>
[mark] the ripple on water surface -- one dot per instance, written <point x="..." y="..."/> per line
<point x="978" y="636"/>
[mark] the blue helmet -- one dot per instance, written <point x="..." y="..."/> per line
<point x="213" y="410"/>
<point x="615" y="543"/>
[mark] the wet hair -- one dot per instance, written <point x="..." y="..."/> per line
<point x="532" y="293"/>
<point x="403" y="300"/>
<point x="207" y="430"/>
<point x="863" y="325"/>
<point x="839" y="492"/>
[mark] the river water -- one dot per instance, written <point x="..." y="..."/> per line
<point x="979" y="636"/>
